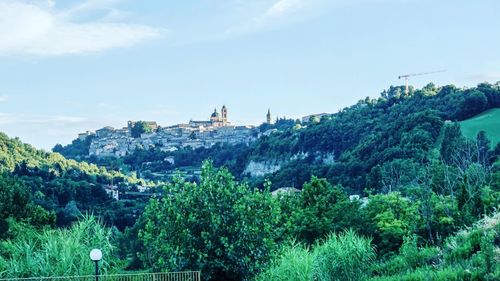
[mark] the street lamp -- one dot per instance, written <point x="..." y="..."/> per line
<point x="96" y="256"/>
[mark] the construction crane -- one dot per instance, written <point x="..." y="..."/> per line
<point x="407" y="76"/>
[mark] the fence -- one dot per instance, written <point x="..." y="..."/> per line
<point x="168" y="276"/>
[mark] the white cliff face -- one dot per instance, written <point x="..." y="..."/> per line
<point x="260" y="169"/>
<point x="267" y="167"/>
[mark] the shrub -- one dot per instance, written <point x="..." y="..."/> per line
<point x="295" y="263"/>
<point x="343" y="256"/>
<point x="410" y="257"/>
<point x="454" y="273"/>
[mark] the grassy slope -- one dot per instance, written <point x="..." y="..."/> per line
<point x="488" y="121"/>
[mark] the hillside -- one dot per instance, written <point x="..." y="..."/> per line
<point x="360" y="147"/>
<point x="488" y="121"/>
<point x="419" y="181"/>
<point x="64" y="188"/>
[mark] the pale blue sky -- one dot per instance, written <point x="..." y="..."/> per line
<point x="71" y="66"/>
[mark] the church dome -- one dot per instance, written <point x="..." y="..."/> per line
<point x="215" y="114"/>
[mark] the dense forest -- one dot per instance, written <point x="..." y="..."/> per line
<point x="427" y="204"/>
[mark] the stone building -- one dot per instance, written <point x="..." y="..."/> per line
<point x="84" y="136"/>
<point x="117" y="143"/>
<point x="219" y="119"/>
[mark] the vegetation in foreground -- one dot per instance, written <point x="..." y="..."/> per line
<point x="231" y="232"/>
<point x="471" y="254"/>
<point x="428" y="209"/>
<point x="56" y="252"/>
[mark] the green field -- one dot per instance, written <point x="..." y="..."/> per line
<point x="488" y="121"/>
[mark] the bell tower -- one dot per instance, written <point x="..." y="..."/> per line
<point x="224" y="115"/>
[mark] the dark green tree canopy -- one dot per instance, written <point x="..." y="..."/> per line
<point x="139" y="128"/>
<point x="219" y="226"/>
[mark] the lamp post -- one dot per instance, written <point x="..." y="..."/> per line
<point x="96" y="256"/>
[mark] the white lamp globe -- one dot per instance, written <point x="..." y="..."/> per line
<point x="96" y="255"/>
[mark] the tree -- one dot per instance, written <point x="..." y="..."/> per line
<point x="452" y="141"/>
<point x="218" y="226"/>
<point x="392" y="217"/>
<point x="140" y="128"/>
<point x="322" y="209"/>
<point x="475" y="102"/>
<point x="398" y="173"/>
<point x="483" y="148"/>
<point x="14" y="197"/>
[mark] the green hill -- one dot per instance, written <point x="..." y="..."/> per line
<point x="488" y="121"/>
<point x="355" y="147"/>
<point x="63" y="187"/>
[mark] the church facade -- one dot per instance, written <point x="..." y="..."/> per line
<point x="216" y="119"/>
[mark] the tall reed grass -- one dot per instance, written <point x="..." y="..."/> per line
<point x="57" y="252"/>
<point x="344" y="256"/>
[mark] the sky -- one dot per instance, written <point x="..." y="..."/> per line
<point x="69" y="66"/>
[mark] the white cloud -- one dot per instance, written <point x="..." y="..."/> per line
<point x="36" y="28"/>
<point x="90" y="5"/>
<point x="285" y="6"/>
<point x="280" y="12"/>
<point x="4" y="98"/>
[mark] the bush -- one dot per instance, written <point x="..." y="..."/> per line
<point x="295" y="263"/>
<point x="471" y="254"/>
<point x="343" y="257"/>
<point x="431" y="274"/>
<point x="410" y="257"/>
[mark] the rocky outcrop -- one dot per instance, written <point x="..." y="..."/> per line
<point x="260" y="169"/>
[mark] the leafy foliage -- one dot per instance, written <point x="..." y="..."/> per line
<point x="139" y="128"/>
<point x="323" y="209"/>
<point x="78" y="148"/>
<point x="65" y="187"/>
<point x="392" y="218"/>
<point x="418" y="178"/>
<point x="218" y="226"/>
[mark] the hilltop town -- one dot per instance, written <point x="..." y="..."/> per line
<point x="111" y="142"/>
